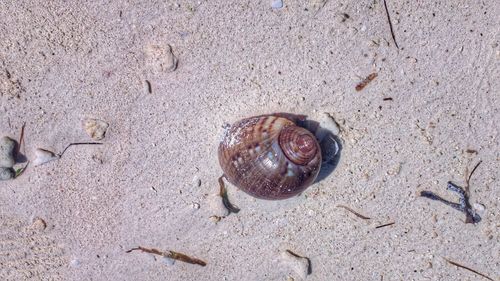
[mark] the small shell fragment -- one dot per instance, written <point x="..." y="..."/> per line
<point x="39" y="224"/>
<point x="95" y="128"/>
<point x="7" y="146"/>
<point x="43" y="156"/>
<point x="297" y="263"/>
<point x="7" y="173"/>
<point x="161" y="58"/>
<point x="277" y="4"/>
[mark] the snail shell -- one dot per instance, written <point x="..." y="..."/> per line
<point x="270" y="157"/>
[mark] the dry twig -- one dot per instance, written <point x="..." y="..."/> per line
<point x="170" y="254"/>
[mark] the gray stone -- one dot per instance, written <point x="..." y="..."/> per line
<point x="7" y="146"/>
<point x="7" y="173"/>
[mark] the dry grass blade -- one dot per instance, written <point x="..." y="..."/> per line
<point x="21" y="139"/>
<point x="170" y="254"/>
<point x="469" y="269"/>
<point x="225" y="200"/>
<point x="354" y="212"/>
<point x="384" y="225"/>
<point x="390" y="25"/>
<point x="78" y="143"/>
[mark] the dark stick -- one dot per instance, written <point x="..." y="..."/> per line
<point x="390" y="25"/>
<point x="170" y="254"/>
<point x="225" y="200"/>
<point x="469" y="269"/>
<point x="384" y="225"/>
<point x="150" y="89"/>
<point x="354" y="212"/>
<point x="21" y="139"/>
<point x="77" y="143"/>
<point x="470" y="175"/>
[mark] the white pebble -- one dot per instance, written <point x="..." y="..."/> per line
<point x="277" y="4"/>
<point x="74" y="263"/>
<point x="43" y="156"/>
<point x="480" y="208"/>
<point x="329" y="123"/>
<point x="7" y="146"/>
<point x="7" y="173"/>
<point x="195" y="206"/>
<point x="161" y="58"/>
<point x="196" y="181"/>
<point x="168" y="261"/>
<point x="95" y="128"/>
<point x="298" y="264"/>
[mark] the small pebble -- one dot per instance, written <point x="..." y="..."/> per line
<point x="39" y="224"/>
<point x="277" y="4"/>
<point x="168" y="261"/>
<point x="196" y="181"/>
<point x="215" y="219"/>
<point x="7" y="146"/>
<point x="7" y="173"/>
<point x="195" y="206"/>
<point x="74" y="263"/>
<point x="298" y="264"/>
<point x="95" y="128"/>
<point x="479" y="208"/>
<point x="161" y="58"/>
<point x="43" y="156"/>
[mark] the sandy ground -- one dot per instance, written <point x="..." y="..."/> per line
<point x="64" y="61"/>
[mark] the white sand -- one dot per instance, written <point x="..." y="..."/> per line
<point x="62" y="62"/>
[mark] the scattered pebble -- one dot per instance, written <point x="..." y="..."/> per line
<point x="161" y="58"/>
<point x="95" y="128"/>
<point x="298" y="264"/>
<point x="196" y="181"/>
<point x="168" y="261"/>
<point x="277" y="4"/>
<point x="74" y="263"/>
<point x="43" y="156"/>
<point x="7" y="173"/>
<point x="195" y="206"/>
<point x="7" y="146"/>
<point x="215" y="219"/>
<point x="39" y="224"/>
<point x="479" y="208"/>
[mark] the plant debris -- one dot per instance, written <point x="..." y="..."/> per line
<point x="354" y="212"/>
<point x="387" y="99"/>
<point x="469" y="269"/>
<point x="390" y="24"/>
<point x="384" y="225"/>
<point x="21" y="170"/>
<point x="225" y="200"/>
<point x="21" y="139"/>
<point x="78" y="143"/>
<point x="170" y="254"/>
<point x="150" y="88"/>
<point x="365" y="81"/>
<point x="463" y="193"/>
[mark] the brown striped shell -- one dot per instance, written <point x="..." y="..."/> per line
<point x="270" y="157"/>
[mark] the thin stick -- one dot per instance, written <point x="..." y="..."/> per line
<point x="469" y="269"/>
<point x="384" y="225"/>
<point x="77" y="143"/>
<point x="170" y="254"/>
<point x="390" y="25"/>
<point x="21" y="139"/>
<point x="470" y="175"/>
<point x="354" y="212"/>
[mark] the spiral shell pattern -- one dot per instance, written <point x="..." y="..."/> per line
<point x="269" y="157"/>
